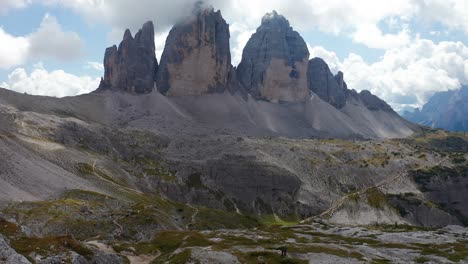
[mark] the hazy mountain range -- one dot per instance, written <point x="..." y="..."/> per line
<point x="447" y="110"/>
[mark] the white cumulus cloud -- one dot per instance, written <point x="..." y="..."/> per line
<point x="6" y="5"/>
<point x="97" y="66"/>
<point x="13" y="50"/>
<point x="48" y="41"/>
<point x="406" y="76"/>
<point x="50" y="83"/>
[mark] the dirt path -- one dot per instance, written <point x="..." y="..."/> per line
<point x="336" y="205"/>
<point x="194" y="216"/>
<point x="108" y="181"/>
<point x="330" y="211"/>
<point x="117" y="224"/>
<point x="141" y="259"/>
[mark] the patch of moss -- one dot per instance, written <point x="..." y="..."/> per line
<point x="166" y="242"/>
<point x="89" y="169"/>
<point x="354" y="197"/>
<point x="326" y="250"/>
<point x="421" y="259"/>
<point x="155" y="168"/>
<point x="85" y="195"/>
<point x="179" y="258"/>
<point x="272" y="219"/>
<point x="455" y="252"/>
<point x="8" y="229"/>
<point x="376" y="198"/>
<point x="208" y="218"/>
<point x="267" y="257"/>
<point x="380" y="261"/>
<point x="49" y="245"/>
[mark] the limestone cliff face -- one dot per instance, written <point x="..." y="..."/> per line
<point x="196" y="59"/>
<point x="331" y="89"/>
<point x="274" y="62"/>
<point x="131" y="67"/>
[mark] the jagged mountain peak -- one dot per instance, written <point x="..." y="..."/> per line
<point x="127" y="35"/>
<point x="202" y="7"/>
<point x="196" y="58"/>
<point x="274" y="20"/>
<point x="274" y="62"/>
<point x="445" y="110"/>
<point x="133" y="65"/>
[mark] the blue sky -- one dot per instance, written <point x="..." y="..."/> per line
<point x="403" y="51"/>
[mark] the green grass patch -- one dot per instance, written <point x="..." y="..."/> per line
<point x="88" y="169"/>
<point x="272" y="219"/>
<point x="179" y="258"/>
<point x="421" y="259"/>
<point x="208" y="218"/>
<point x="455" y="252"/>
<point x="326" y="250"/>
<point x="155" y="168"/>
<point x="50" y="245"/>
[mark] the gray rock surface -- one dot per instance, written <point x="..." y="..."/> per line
<point x="197" y="58"/>
<point x="132" y="67"/>
<point x="274" y="62"/>
<point x="334" y="90"/>
<point x="331" y="89"/>
<point x="9" y="255"/>
<point x="373" y="102"/>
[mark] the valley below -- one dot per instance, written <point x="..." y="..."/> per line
<point x="99" y="179"/>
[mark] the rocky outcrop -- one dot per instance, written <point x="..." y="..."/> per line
<point x="331" y="89"/>
<point x="196" y="59"/>
<point x="334" y="90"/>
<point x="373" y="103"/>
<point x="132" y="67"/>
<point x="274" y="62"/>
<point x="9" y="255"/>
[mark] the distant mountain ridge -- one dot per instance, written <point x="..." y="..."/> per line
<point x="275" y="68"/>
<point x="447" y="110"/>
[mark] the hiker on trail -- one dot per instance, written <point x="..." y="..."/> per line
<point x="284" y="251"/>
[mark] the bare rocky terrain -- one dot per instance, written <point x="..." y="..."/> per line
<point x="167" y="164"/>
<point x="99" y="168"/>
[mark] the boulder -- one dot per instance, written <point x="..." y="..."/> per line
<point x="196" y="59"/>
<point x="133" y="65"/>
<point x="274" y="62"/>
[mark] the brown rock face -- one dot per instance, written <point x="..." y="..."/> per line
<point x="132" y="67"/>
<point x="196" y="59"/>
<point x="274" y="62"/>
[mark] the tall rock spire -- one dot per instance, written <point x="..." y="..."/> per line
<point x="196" y="59"/>
<point x="132" y="67"/>
<point x="274" y="62"/>
<point x="331" y="89"/>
